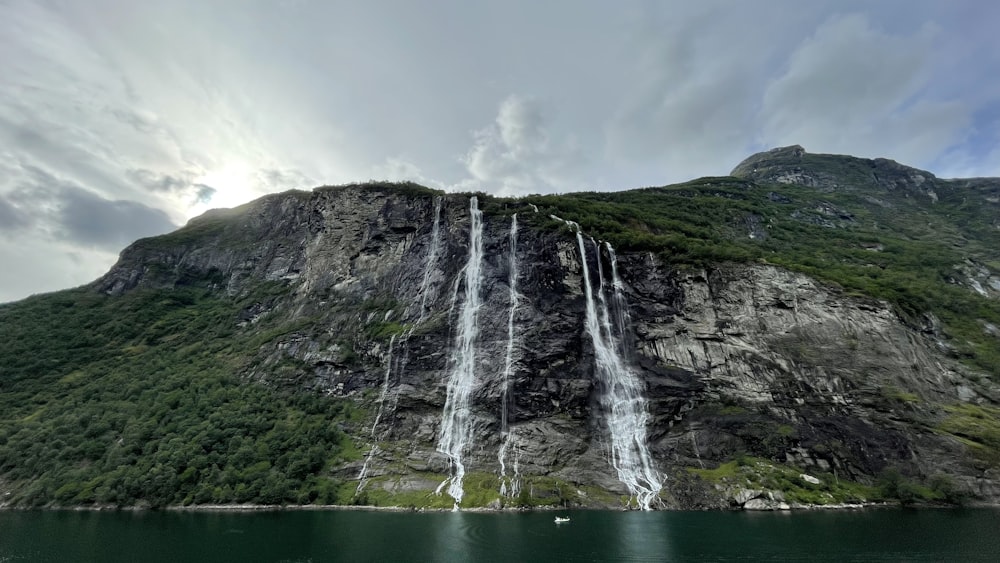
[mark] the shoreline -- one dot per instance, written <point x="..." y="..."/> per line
<point x="247" y="508"/>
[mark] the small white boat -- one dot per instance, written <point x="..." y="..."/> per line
<point x="561" y="519"/>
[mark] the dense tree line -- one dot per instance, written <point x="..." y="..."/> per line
<point x="133" y="400"/>
<point x="136" y="399"/>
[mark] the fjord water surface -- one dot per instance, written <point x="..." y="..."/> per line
<point x="335" y="535"/>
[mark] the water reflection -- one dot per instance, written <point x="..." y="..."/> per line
<point x="448" y="531"/>
<point x="876" y="535"/>
<point x="642" y="536"/>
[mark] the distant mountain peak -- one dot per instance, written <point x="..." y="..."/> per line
<point x="793" y="165"/>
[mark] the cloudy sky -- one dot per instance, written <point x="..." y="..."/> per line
<point x="121" y="119"/>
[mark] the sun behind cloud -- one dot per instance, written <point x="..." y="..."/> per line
<point x="228" y="186"/>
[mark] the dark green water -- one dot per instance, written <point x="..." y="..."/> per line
<point x="871" y="535"/>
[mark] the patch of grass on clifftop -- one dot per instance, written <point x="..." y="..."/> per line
<point x="906" y="252"/>
<point x="402" y="188"/>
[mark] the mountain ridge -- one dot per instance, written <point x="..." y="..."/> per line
<point x="777" y="329"/>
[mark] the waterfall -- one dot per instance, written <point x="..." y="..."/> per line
<point x="622" y="318"/>
<point x="456" y="420"/>
<point x="431" y="257"/>
<point x="378" y="416"/>
<point x="425" y="285"/>
<point x="602" y="308"/>
<point x="621" y="391"/>
<point x="429" y="265"/>
<point x="509" y="486"/>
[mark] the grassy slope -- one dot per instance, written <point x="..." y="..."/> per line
<point x="135" y="399"/>
<point x="706" y="221"/>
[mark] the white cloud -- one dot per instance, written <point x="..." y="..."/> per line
<point x="853" y="88"/>
<point x="694" y="85"/>
<point x="516" y="155"/>
<point x="401" y="169"/>
<point x="51" y="208"/>
<point x="180" y="106"/>
<point x="37" y="266"/>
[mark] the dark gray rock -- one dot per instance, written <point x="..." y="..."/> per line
<point x="739" y="359"/>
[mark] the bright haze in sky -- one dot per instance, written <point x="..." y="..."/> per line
<point x="123" y="119"/>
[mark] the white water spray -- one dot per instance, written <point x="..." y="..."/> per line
<point x="456" y="421"/>
<point x="512" y="485"/>
<point x="378" y="416"/>
<point x="429" y="265"/>
<point x="622" y="318"/>
<point x="602" y="309"/>
<point x="425" y="286"/>
<point x="431" y="257"/>
<point x="621" y="396"/>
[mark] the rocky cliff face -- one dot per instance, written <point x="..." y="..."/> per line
<point x="737" y="360"/>
<point x="896" y="195"/>
<point x="793" y="165"/>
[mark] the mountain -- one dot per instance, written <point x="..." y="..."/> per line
<point x="812" y="329"/>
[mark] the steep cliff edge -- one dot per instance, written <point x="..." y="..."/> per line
<point x="793" y="165"/>
<point x="962" y="213"/>
<point x="736" y="360"/>
<point x="762" y="383"/>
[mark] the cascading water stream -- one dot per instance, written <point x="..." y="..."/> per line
<point x="430" y="264"/>
<point x="603" y="315"/>
<point x="431" y="258"/>
<point x="621" y="398"/>
<point x="622" y="317"/>
<point x="456" y="420"/>
<point x="425" y="284"/>
<point x="378" y="416"/>
<point x="509" y="486"/>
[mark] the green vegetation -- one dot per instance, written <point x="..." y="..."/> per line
<point x="754" y="473"/>
<point x="138" y="399"/>
<point x="893" y="486"/>
<point x="898" y="395"/>
<point x="545" y="491"/>
<point x="384" y="330"/>
<point x="133" y="401"/>
<point x="481" y="489"/>
<point x="978" y="427"/>
<point x="377" y="493"/>
<point x="405" y="188"/>
<point x="906" y="254"/>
